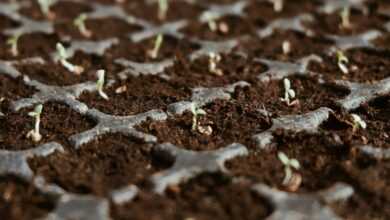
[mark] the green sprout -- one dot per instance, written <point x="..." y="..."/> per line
<point x="45" y="7"/>
<point x="288" y="93"/>
<point x="100" y="84"/>
<point x="214" y="59"/>
<point x="162" y="9"/>
<point x="196" y="111"/>
<point x="36" y="114"/>
<point x="345" y="15"/>
<point x="63" y="56"/>
<point x="157" y="45"/>
<point x="13" y="42"/>
<point x="211" y="21"/>
<point x="79" y="22"/>
<point x="358" y="122"/>
<point x="342" y="60"/>
<point x="289" y="165"/>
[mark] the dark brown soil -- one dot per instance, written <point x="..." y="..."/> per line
<point x="331" y="24"/>
<point x="324" y="160"/>
<point x="236" y="28"/>
<point x="262" y="12"/>
<point x="114" y="160"/>
<point x="67" y="10"/>
<point x="118" y="28"/>
<point x="101" y="166"/>
<point x="231" y="122"/>
<point x="149" y="12"/>
<point x="11" y="90"/>
<point x="138" y="52"/>
<point x="206" y="197"/>
<point x="5" y="23"/>
<point x="197" y="73"/>
<point x="271" y="47"/>
<point x="310" y="94"/>
<point x="20" y="200"/>
<point x="376" y="115"/>
<point x="58" y="123"/>
<point x="237" y="120"/>
<point x="14" y="89"/>
<point x="142" y="94"/>
<point x="30" y="45"/>
<point x="364" y="65"/>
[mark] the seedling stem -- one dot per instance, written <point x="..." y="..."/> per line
<point x="79" y="22"/>
<point x="289" y="165"/>
<point x="100" y="84"/>
<point x="63" y="56"/>
<point x="157" y="45"/>
<point x="13" y="42"/>
<point x="36" y="114"/>
<point x="162" y="9"/>
<point x="195" y="113"/>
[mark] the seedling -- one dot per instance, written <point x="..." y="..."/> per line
<point x="214" y="59"/>
<point x="1" y="100"/>
<point x="79" y="22"/>
<point x="357" y="122"/>
<point x="345" y="15"/>
<point x="100" y="84"/>
<point x="211" y="21"/>
<point x="63" y="56"/>
<point x="289" y="165"/>
<point x="286" y="46"/>
<point x="13" y="42"/>
<point x="278" y="5"/>
<point x="288" y="93"/>
<point x="342" y="61"/>
<point x="162" y="9"/>
<point x="45" y="7"/>
<point x="196" y="111"/>
<point x="36" y="114"/>
<point x="157" y="45"/>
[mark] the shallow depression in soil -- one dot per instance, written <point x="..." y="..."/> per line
<point x="103" y="165"/>
<point x="210" y="196"/>
<point x="136" y="95"/>
<point x="58" y="123"/>
<point x="229" y="121"/>
<point x="22" y="201"/>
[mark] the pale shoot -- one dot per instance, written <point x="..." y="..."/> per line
<point x="289" y="93"/>
<point x="278" y="5"/>
<point x="45" y="5"/>
<point x="100" y="84"/>
<point x="157" y="45"/>
<point x="79" y="22"/>
<point x="290" y="164"/>
<point x="214" y="59"/>
<point x="36" y="114"/>
<point x="1" y="100"/>
<point x="211" y="22"/>
<point x="63" y="56"/>
<point x="358" y="122"/>
<point x="345" y="17"/>
<point x="162" y="9"/>
<point x="13" y="42"/>
<point x="342" y="61"/>
<point x="196" y="111"/>
<point x="286" y="46"/>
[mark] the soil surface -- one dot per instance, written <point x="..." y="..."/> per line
<point x="115" y="160"/>
<point x="206" y="197"/>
